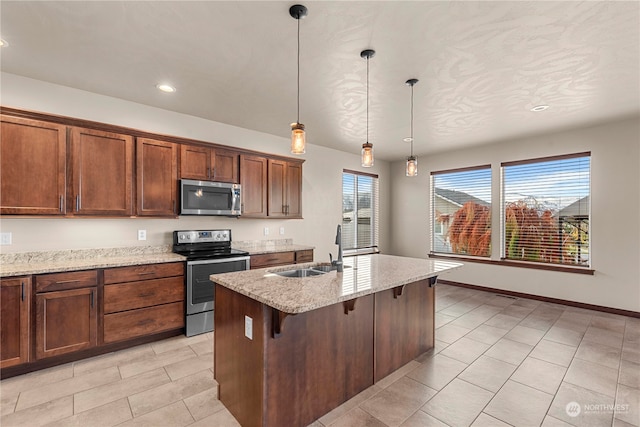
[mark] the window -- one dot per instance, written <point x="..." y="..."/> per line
<point x="461" y="211"/>
<point x="359" y="212"/>
<point x="545" y="210"/>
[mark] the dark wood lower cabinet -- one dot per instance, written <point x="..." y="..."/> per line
<point x="66" y="321"/>
<point x="15" y="301"/>
<point x="297" y="368"/>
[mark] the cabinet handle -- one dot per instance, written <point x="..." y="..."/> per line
<point x="213" y="173"/>
<point x="146" y="272"/>
<point x="67" y="281"/>
<point x="77" y="203"/>
<point x="61" y="203"/>
<point x="91" y="299"/>
<point x="22" y="291"/>
<point x="174" y="206"/>
<point x="209" y="173"/>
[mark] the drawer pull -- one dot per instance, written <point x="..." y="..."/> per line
<point x="146" y="273"/>
<point x="146" y="294"/>
<point x="64" y="282"/>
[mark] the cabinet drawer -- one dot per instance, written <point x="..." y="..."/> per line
<point x="270" y="260"/>
<point x="147" y="293"/>
<point x="144" y="321"/>
<point x="304" y="256"/>
<point x="143" y="272"/>
<point x="67" y="280"/>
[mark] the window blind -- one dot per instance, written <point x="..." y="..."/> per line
<point x="546" y="210"/>
<point x="360" y="211"/>
<point x="461" y="211"/>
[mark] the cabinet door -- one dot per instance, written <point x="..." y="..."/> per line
<point x="277" y="188"/>
<point x="15" y="300"/>
<point x="294" y="190"/>
<point x="102" y="170"/>
<point x="157" y="177"/>
<point x="66" y="321"/>
<point x="195" y="162"/>
<point x="253" y="178"/>
<point x="33" y="167"/>
<point x="225" y="166"/>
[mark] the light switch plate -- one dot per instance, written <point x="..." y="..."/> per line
<point x="266" y="231"/>
<point x="5" y="238"/>
<point x="248" y="327"/>
<point x="142" y="234"/>
<point x="282" y="231"/>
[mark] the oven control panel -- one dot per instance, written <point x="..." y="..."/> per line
<point x="203" y="236"/>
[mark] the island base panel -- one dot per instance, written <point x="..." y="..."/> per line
<point x="404" y="325"/>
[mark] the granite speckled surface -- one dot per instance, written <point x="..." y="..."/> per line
<point x="256" y="247"/>
<point x="24" y="263"/>
<point x="363" y="275"/>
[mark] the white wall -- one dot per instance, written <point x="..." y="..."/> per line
<point x="615" y="214"/>
<point x="322" y="178"/>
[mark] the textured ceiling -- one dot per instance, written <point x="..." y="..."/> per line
<point x="481" y="65"/>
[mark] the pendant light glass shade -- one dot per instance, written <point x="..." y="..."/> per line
<point x="367" y="147"/>
<point x="367" y="155"/>
<point x="412" y="166"/>
<point x="298" y="138"/>
<point x="412" y="161"/>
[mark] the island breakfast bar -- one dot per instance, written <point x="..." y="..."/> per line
<point x="290" y="349"/>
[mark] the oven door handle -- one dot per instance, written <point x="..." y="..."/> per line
<point x="219" y="261"/>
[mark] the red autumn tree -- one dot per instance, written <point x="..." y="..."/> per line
<point x="470" y="230"/>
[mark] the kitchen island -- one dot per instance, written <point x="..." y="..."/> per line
<point x="288" y="350"/>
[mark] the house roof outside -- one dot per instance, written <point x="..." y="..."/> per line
<point x="459" y="197"/>
<point x="577" y="210"/>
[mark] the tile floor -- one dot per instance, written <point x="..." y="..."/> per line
<point x="498" y="361"/>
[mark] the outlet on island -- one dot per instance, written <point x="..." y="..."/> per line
<point x="266" y="231"/>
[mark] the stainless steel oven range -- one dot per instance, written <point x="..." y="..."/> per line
<point x="208" y="252"/>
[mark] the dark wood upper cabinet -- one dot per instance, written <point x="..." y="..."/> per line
<point x="225" y="166"/>
<point x="102" y="173"/>
<point x="15" y="300"/>
<point x="285" y="189"/>
<point x="33" y="167"/>
<point x="208" y="164"/>
<point x="157" y="177"/>
<point x="253" y="178"/>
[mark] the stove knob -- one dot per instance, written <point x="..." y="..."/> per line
<point x="182" y="237"/>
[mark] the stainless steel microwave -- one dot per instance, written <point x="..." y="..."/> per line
<point x="209" y="198"/>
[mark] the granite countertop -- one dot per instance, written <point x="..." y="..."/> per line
<point x="257" y="247"/>
<point x="25" y="263"/>
<point x="363" y="275"/>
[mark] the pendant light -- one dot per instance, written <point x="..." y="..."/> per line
<point x="412" y="161"/>
<point x="298" y="138"/>
<point x="367" y="147"/>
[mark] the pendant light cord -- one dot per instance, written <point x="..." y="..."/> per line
<point x="368" y="99"/>
<point x="298" y="119"/>
<point x="411" y="120"/>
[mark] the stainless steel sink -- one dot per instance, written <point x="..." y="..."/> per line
<point x="302" y="272"/>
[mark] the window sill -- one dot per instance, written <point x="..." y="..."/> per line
<point x="364" y="251"/>
<point x="520" y="264"/>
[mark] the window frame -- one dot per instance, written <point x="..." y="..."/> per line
<point x="375" y="210"/>
<point x="585" y="269"/>
<point x="432" y="189"/>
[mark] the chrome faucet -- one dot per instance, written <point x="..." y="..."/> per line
<point x="337" y="264"/>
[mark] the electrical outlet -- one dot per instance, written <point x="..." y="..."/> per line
<point x="266" y="231"/>
<point x="142" y="234"/>
<point x="248" y="327"/>
<point x="282" y="231"/>
<point x="5" y="238"/>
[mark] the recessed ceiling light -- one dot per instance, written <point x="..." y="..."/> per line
<point x="3" y="43"/>
<point x="166" y="88"/>
<point x="540" y="108"/>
